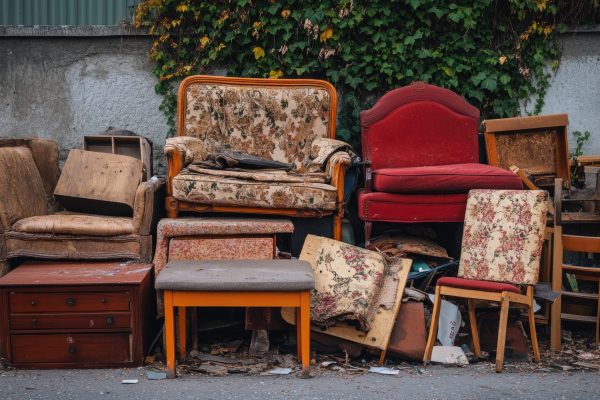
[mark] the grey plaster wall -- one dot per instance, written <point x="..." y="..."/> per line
<point x="63" y="88"/>
<point x="575" y="87"/>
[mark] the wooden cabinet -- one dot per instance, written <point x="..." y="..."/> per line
<point x="74" y="315"/>
<point x="134" y="146"/>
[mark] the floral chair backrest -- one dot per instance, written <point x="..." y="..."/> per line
<point x="272" y="121"/>
<point x="503" y="235"/>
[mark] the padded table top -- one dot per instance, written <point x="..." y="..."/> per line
<point x="236" y="275"/>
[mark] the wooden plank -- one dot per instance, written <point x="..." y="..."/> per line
<point x="580" y="295"/>
<point x="528" y="122"/>
<point x="588" y="244"/>
<point x="381" y="328"/>
<point x="580" y="218"/>
<point x="578" y="318"/>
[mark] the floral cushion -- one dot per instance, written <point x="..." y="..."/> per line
<point x="278" y="123"/>
<point x="348" y="281"/>
<point x="503" y="235"/>
<point x="227" y="191"/>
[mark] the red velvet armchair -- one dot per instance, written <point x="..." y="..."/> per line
<point x="420" y="147"/>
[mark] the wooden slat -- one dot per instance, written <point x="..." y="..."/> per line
<point x="578" y="318"/>
<point x="580" y="218"/>
<point x="579" y="295"/>
<point x="529" y="122"/>
<point x="587" y="244"/>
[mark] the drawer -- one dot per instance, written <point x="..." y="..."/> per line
<point x="82" y="348"/>
<point x="35" y="302"/>
<point x="117" y="320"/>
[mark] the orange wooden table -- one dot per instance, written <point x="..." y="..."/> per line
<point x="233" y="283"/>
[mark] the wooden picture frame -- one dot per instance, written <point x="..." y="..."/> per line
<point x="537" y="145"/>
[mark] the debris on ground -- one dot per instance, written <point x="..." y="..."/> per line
<point x="384" y="370"/>
<point x="449" y="355"/>
<point x="130" y="381"/>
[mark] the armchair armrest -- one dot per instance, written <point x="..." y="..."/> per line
<point x="148" y="209"/>
<point x="181" y="151"/>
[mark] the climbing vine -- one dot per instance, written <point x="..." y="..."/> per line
<point x="495" y="53"/>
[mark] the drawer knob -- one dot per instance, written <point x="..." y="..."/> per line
<point x="72" y="349"/>
<point x="70" y="301"/>
<point x="103" y="300"/>
<point x="34" y="321"/>
<point x="33" y="302"/>
<point x="109" y="321"/>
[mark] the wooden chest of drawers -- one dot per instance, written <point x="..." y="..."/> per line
<point x="74" y="315"/>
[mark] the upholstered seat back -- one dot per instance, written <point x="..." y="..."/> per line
<point x="420" y="125"/>
<point x="503" y="235"/>
<point x="274" y="119"/>
<point x="21" y="188"/>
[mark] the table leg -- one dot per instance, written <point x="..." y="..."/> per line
<point x="305" y="332"/>
<point x="194" y="328"/>
<point x="169" y="333"/>
<point x="182" y="332"/>
<point x="299" y="333"/>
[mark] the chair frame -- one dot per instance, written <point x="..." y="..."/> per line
<point x="504" y="298"/>
<point x="175" y="158"/>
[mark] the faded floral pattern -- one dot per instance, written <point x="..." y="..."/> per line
<point x="278" y="123"/>
<point x="503" y="235"/>
<point x="208" y="189"/>
<point x="348" y="281"/>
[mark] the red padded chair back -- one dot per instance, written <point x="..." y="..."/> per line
<point x="420" y="125"/>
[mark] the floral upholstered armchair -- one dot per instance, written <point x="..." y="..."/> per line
<point x="290" y="121"/>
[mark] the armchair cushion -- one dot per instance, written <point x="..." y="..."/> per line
<point x="21" y="188"/>
<point x="68" y="223"/>
<point x="473" y="284"/>
<point x="228" y="191"/>
<point x="391" y="207"/>
<point x="454" y="178"/>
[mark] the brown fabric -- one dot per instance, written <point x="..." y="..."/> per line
<point x="68" y="223"/>
<point x="138" y="206"/>
<point x="21" y="186"/>
<point x="51" y="246"/>
<point x="3" y="268"/>
<point x="45" y="156"/>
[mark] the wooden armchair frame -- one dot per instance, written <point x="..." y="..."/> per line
<point x="175" y="158"/>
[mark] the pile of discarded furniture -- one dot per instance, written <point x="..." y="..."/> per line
<point x="90" y="261"/>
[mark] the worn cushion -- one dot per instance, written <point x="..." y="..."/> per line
<point x="226" y="191"/>
<point x="477" y="285"/>
<point x="503" y="235"/>
<point x="277" y="123"/>
<point x="454" y="178"/>
<point x="379" y="206"/>
<point x="21" y="188"/>
<point x="236" y="275"/>
<point x="76" y="224"/>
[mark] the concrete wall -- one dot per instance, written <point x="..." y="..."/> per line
<point x="575" y="87"/>
<point x="63" y="88"/>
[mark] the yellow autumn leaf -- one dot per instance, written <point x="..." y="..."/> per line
<point x="448" y="71"/>
<point x="187" y="68"/>
<point x="182" y="8"/>
<point x="204" y="41"/>
<point x="502" y="60"/>
<point x="256" y="25"/>
<point x="275" y="74"/>
<point x="258" y="52"/>
<point x="285" y="13"/>
<point x="175" y="23"/>
<point x="326" y="34"/>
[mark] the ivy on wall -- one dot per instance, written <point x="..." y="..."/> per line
<point x="494" y="53"/>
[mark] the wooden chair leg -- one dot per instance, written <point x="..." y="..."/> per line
<point x="299" y="334"/>
<point x="194" y="328"/>
<point x="337" y="224"/>
<point x="555" y="317"/>
<point x="305" y="332"/>
<point x="368" y="229"/>
<point x="182" y="332"/>
<point x="433" y="328"/>
<point x="474" y="331"/>
<point x="504" y="304"/>
<point x="533" y="333"/>
<point x="169" y="333"/>
<point x="382" y="357"/>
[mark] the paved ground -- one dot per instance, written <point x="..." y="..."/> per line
<point x="435" y="383"/>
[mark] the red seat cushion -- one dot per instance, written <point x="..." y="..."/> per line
<point x="378" y="206"/>
<point x="487" y="286"/>
<point x="455" y="178"/>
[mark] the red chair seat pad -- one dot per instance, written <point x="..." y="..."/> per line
<point x="455" y="178"/>
<point x="487" y="286"/>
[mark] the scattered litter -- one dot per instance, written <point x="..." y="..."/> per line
<point x="384" y="370"/>
<point x="149" y="360"/>
<point x="338" y="368"/>
<point x="327" y="363"/>
<point x="230" y="347"/>
<point x="449" y="323"/>
<point x="278" y="371"/>
<point x="154" y="375"/>
<point x="449" y="355"/>
<point x="130" y="381"/>
<point x="586" y="365"/>
<point x="213" y="369"/>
